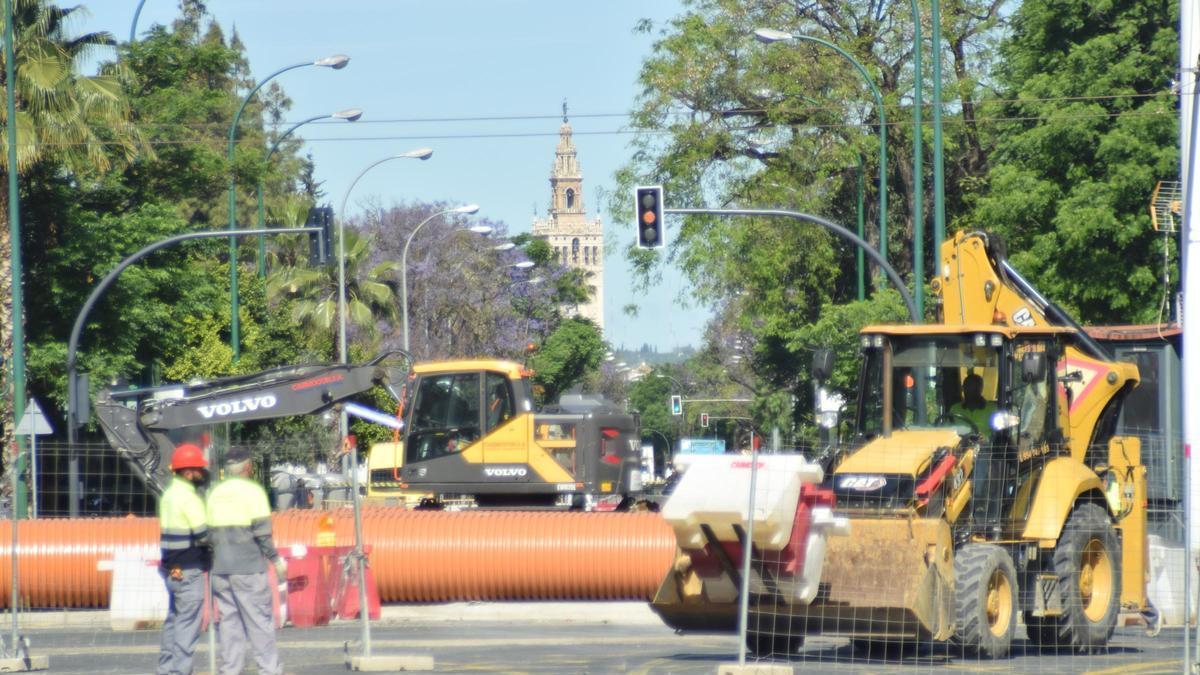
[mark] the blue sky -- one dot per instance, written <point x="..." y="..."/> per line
<point x="454" y="59"/>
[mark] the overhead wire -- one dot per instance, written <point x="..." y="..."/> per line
<point x="949" y="122"/>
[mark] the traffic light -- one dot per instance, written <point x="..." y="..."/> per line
<point x="320" y="244"/>
<point x="676" y="405"/>
<point x="704" y="420"/>
<point x="648" y="202"/>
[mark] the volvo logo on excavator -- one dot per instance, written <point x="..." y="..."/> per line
<point x="237" y="406"/>
<point x="505" y="471"/>
<point x="862" y="483"/>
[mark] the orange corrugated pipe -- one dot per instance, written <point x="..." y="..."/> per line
<point x="417" y="556"/>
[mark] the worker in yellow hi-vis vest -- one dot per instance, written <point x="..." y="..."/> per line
<point x="183" y="541"/>
<point x="239" y="518"/>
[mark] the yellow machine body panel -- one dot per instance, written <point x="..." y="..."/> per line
<point x="511" y="369"/>
<point x="903" y="452"/>
<point x="1062" y="481"/>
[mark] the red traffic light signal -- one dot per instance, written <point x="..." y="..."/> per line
<point x="648" y="202"/>
<point x="704" y="420"/>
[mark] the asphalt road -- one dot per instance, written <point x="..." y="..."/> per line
<point x="531" y="645"/>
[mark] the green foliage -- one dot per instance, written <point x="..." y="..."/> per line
<point x="566" y="356"/>
<point x="314" y="290"/>
<point x="1093" y="128"/>
<point x="651" y="397"/>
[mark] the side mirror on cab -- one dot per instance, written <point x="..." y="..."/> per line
<point x="822" y="364"/>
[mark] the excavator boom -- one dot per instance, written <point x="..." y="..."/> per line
<point x="138" y="423"/>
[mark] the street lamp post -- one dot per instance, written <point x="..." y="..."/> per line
<point x="768" y="35"/>
<point x="469" y="208"/>
<point x="350" y="115"/>
<point x="336" y="62"/>
<point x="420" y="153"/>
<point x="939" y="181"/>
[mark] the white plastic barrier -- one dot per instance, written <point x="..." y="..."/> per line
<point x="138" y="596"/>
<point x="1165" y="590"/>
<point x="715" y="491"/>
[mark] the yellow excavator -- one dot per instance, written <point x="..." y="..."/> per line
<point x="983" y="484"/>
<point x="468" y="430"/>
<point x="471" y="435"/>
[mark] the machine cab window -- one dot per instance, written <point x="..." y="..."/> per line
<point x="960" y="381"/>
<point x="500" y="406"/>
<point x="930" y="381"/>
<point x="446" y="416"/>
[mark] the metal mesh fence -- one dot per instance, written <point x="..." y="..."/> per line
<point x="927" y="578"/>
<point x="923" y="579"/>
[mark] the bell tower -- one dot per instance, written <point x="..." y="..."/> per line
<point x="577" y="242"/>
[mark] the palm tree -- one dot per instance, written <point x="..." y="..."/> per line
<point x="82" y="123"/>
<point x="314" y="290"/>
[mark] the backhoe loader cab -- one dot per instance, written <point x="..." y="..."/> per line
<point x="933" y="398"/>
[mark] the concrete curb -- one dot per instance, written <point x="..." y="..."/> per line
<point x="582" y="612"/>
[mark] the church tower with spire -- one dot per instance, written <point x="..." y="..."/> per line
<point x="577" y="242"/>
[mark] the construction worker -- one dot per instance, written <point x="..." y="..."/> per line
<point x="185" y="555"/>
<point x="974" y="407"/>
<point x="240" y="520"/>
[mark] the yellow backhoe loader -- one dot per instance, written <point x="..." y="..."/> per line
<point x="983" y="484"/>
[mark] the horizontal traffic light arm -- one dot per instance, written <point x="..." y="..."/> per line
<point x="840" y="231"/>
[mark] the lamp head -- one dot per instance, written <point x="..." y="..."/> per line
<point x="481" y="229"/>
<point x="506" y="246"/>
<point x="336" y="61"/>
<point x="419" y="153"/>
<point x="468" y="208"/>
<point x="349" y="114"/>
<point x="769" y="35"/>
<point x="523" y="265"/>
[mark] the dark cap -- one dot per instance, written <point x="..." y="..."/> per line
<point x="237" y="455"/>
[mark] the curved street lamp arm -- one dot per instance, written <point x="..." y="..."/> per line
<point x="404" y="273"/>
<point x="133" y="25"/>
<point x="284" y="135"/>
<point x="862" y="70"/>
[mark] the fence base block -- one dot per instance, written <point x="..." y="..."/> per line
<point x="24" y="665"/>
<point x="389" y="663"/>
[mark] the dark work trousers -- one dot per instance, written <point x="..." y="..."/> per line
<point x="181" y="630"/>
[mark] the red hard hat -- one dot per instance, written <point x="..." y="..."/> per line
<point x="188" y="456"/>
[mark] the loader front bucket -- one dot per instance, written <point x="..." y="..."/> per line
<point x="893" y="578"/>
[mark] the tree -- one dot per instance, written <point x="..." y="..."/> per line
<point x="1091" y="126"/>
<point x="370" y="297"/>
<point x="729" y="122"/>
<point x="566" y="356"/>
<point x="81" y="123"/>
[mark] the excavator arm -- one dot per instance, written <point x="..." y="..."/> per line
<point x="138" y="423"/>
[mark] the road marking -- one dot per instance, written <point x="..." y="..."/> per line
<point x="1171" y="666"/>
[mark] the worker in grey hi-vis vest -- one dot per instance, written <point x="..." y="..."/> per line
<point x="185" y="555"/>
<point x="239" y="518"/>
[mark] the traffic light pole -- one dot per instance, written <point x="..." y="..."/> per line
<point x="77" y="330"/>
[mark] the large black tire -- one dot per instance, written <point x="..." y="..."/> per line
<point x="985" y="600"/>
<point x="1087" y="562"/>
